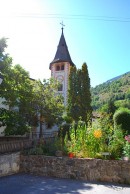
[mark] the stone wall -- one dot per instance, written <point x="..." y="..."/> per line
<point x="9" y="163"/>
<point x="83" y="169"/>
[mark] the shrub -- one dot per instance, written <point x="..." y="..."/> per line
<point x="116" y="144"/>
<point x="122" y="118"/>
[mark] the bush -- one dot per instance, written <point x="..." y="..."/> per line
<point x="122" y="118"/>
<point x="116" y="144"/>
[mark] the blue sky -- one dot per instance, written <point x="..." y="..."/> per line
<point x="96" y="31"/>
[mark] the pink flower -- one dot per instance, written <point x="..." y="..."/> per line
<point x="127" y="138"/>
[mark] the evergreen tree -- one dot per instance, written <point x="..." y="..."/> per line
<point x="79" y="96"/>
<point x="86" y="109"/>
<point x="72" y="108"/>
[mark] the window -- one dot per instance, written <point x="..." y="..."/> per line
<point x="60" y="88"/>
<point x="62" y="67"/>
<point x="57" y="68"/>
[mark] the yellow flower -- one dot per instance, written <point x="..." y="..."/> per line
<point x="97" y="133"/>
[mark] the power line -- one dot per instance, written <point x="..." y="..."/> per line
<point x="73" y="16"/>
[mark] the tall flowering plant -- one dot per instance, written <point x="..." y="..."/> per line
<point x="126" y="149"/>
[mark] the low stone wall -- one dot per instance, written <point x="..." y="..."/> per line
<point x="9" y="163"/>
<point x="83" y="169"/>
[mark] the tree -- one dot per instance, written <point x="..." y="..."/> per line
<point x="28" y="100"/>
<point x="86" y="108"/>
<point x="73" y="106"/>
<point x="79" y="96"/>
<point x="49" y="104"/>
<point x="17" y="92"/>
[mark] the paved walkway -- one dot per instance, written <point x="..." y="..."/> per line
<point x="30" y="184"/>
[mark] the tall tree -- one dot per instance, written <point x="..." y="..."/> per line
<point x="73" y="107"/>
<point x="86" y="95"/>
<point x="79" y="96"/>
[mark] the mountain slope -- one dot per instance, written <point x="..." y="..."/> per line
<point x="116" y="89"/>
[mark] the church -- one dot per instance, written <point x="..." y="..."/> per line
<point x="60" y="66"/>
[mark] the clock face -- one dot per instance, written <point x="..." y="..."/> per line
<point x="60" y="78"/>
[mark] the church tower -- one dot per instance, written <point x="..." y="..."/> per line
<point x="60" y="66"/>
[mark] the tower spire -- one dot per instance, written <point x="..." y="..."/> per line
<point x="62" y="26"/>
<point x="62" y="53"/>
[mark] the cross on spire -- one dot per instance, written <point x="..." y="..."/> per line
<point x="62" y="26"/>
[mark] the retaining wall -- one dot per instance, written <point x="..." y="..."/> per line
<point x="84" y="169"/>
<point x="9" y="163"/>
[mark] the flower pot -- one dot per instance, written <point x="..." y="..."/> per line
<point x="71" y="155"/>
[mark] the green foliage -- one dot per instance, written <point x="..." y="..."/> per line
<point x="64" y="130"/>
<point x="116" y="144"/>
<point x="79" y="96"/>
<point x="126" y="148"/>
<point x="14" y="122"/>
<point x="67" y="119"/>
<point x="106" y="125"/>
<point x="73" y="107"/>
<point x="49" y="105"/>
<point x="122" y="119"/>
<point x="27" y="98"/>
<point x="73" y="144"/>
<point x="46" y="147"/>
<point x="93" y="142"/>
<point x="116" y="90"/>
<point x="86" y="142"/>
<point x="16" y="89"/>
<point x="123" y="103"/>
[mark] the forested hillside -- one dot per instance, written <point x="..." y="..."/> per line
<point x="116" y="89"/>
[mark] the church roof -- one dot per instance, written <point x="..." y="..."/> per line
<point x="62" y="53"/>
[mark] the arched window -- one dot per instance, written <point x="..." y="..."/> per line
<point x="60" y="88"/>
<point x="57" y="68"/>
<point x="62" y="67"/>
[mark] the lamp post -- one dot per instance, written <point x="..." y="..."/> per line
<point x="1" y="78"/>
